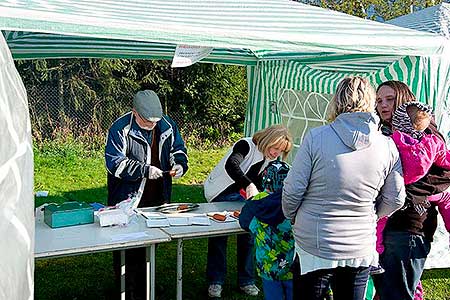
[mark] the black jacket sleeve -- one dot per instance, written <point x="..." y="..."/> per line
<point x="232" y="165"/>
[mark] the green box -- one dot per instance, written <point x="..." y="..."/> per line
<point x="68" y="214"/>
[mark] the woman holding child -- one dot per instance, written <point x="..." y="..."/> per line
<point x="330" y="192"/>
<point x="409" y="231"/>
<point x="237" y="177"/>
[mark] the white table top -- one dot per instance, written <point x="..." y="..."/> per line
<point x="74" y="240"/>
<point x="215" y="229"/>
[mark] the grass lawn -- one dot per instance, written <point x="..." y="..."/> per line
<point x="69" y="175"/>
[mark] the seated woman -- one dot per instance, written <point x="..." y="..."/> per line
<point x="330" y="191"/>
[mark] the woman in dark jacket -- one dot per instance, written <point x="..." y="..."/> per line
<point x="409" y="231"/>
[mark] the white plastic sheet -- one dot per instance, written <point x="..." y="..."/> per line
<point x="16" y="184"/>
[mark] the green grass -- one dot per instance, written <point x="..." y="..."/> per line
<point x="69" y="175"/>
<point x="74" y="174"/>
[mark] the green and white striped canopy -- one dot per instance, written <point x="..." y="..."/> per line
<point x="239" y="31"/>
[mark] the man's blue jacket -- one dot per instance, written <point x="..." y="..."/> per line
<point x="128" y="152"/>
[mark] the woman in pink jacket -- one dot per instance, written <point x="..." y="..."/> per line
<point x="409" y="231"/>
<point x="418" y="152"/>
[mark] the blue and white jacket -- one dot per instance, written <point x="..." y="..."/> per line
<point x="128" y="156"/>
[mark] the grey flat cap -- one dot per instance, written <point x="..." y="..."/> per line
<point x="147" y="105"/>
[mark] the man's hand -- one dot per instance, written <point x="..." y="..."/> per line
<point x="179" y="171"/>
<point x="251" y="190"/>
<point x="154" y="173"/>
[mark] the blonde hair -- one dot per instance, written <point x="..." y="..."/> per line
<point x="353" y="94"/>
<point x="273" y="136"/>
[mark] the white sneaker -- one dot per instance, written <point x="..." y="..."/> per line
<point x="251" y="289"/>
<point x="215" y="291"/>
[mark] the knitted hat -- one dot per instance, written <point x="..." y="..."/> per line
<point x="402" y="122"/>
<point x="273" y="176"/>
<point x="147" y="105"/>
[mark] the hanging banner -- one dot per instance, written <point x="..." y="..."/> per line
<point x="186" y="55"/>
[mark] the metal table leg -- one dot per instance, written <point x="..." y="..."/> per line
<point x="122" y="274"/>
<point x="150" y="267"/>
<point x="179" y="269"/>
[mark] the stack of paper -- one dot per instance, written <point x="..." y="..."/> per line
<point x="158" y="222"/>
<point x="155" y="219"/>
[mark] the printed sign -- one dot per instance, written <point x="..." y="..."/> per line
<point x="186" y="55"/>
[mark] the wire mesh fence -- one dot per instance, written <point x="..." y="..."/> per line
<point x="53" y="112"/>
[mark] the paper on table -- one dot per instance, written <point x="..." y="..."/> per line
<point x="192" y="219"/>
<point x="200" y="220"/>
<point x="153" y="215"/>
<point x="155" y="219"/>
<point x="179" y="221"/>
<point x="157" y="222"/>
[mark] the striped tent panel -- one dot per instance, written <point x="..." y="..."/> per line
<point x="271" y="25"/>
<point x="436" y="90"/>
<point x="272" y="78"/>
<point x="348" y="63"/>
<point x="283" y="75"/>
<point x="406" y="69"/>
<point x="435" y="19"/>
<point x="433" y="87"/>
<point x="73" y="46"/>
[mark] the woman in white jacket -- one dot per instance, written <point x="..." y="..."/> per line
<point x="237" y="177"/>
<point x="339" y="172"/>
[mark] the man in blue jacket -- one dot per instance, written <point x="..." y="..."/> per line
<point x="141" y="145"/>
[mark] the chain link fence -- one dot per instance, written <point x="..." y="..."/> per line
<point x="54" y="114"/>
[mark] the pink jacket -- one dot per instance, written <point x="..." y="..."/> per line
<point x="418" y="156"/>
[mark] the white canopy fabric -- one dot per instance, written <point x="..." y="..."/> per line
<point x="16" y="184"/>
<point x="435" y="19"/>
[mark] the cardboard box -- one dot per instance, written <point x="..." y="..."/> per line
<point x="68" y="214"/>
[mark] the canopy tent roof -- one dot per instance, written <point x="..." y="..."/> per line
<point x="435" y="19"/>
<point x="241" y="32"/>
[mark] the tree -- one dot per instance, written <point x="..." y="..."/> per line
<point x="380" y="10"/>
<point x="87" y="95"/>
